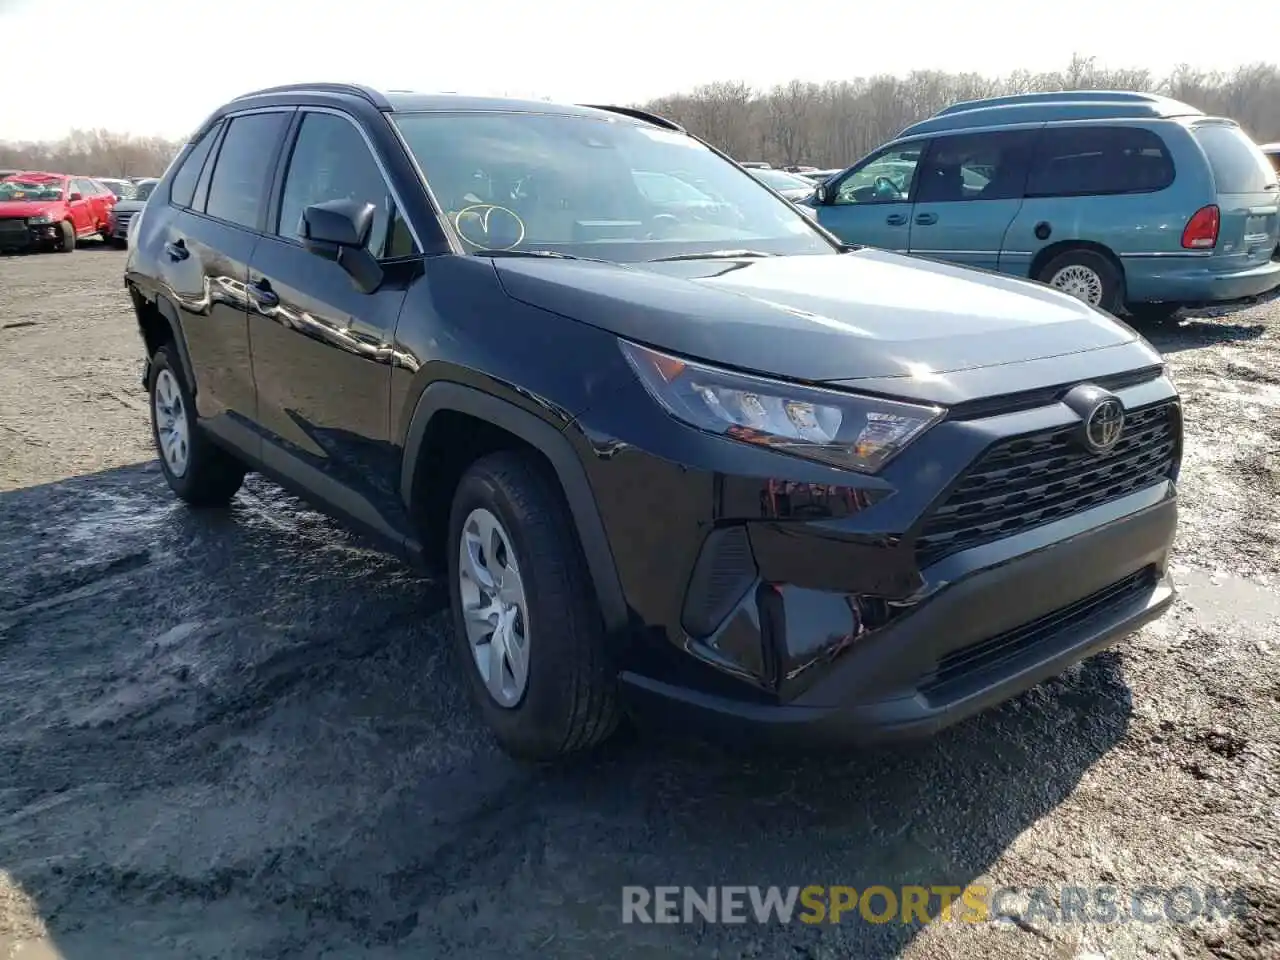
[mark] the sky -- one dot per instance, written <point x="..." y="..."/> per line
<point x="159" y="67"/>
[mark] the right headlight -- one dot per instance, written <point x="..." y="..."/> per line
<point x="847" y="430"/>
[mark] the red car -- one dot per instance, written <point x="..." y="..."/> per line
<point x="51" y="210"/>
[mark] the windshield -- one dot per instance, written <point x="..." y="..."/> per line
<point x="121" y="188"/>
<point x="143" y="190"/>
<point x="30" y="190"/>
<point x="609" y="189"/>
<point x="781" y="180"/>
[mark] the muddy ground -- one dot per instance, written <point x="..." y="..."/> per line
<point x="238" y="734"/>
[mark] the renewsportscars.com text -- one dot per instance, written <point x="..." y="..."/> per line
<point x="920" y="904"/>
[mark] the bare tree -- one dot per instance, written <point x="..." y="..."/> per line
<point x="836" y="123"/>
<point x="95" y="153"/>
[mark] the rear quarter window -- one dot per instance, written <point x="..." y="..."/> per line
<point x="1238" y="165"/>
<point x="1098" y="160"/>
<point x="183" y="186"/>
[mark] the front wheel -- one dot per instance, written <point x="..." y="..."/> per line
<point x="66" y="237"/>
<point x="1086" y="275"/>
<point x="528" y="631"/>
<point x="197" y="470"/>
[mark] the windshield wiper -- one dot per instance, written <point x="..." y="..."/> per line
<point x="715" y="255"/>
<point x="553" y="254"/>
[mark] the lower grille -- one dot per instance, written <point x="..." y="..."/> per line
<point x="949" y="678"/>
<point x="1037" y="478"/>
<point x="13" y="231"/>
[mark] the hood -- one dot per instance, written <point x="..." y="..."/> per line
<point x="28" y="208"/>
<point x="128" y="206"/>
<point x="863" y="314"/>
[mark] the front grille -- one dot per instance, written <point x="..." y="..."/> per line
<point x="1037" y="478"/>
<point x="948" y="680"/>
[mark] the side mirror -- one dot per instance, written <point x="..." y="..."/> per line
<point x="74" y="196"/>
<point x="821" y="194"/>
<point x="338" y="230"/>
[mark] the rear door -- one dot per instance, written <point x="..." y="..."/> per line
<point x="871" y="202"/>
<point x="1248" y="195"/>
<point x="205" y="262"/>
<point x="968" y="192"/>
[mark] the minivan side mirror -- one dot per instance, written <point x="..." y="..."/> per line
<point x="74" y="196"/>
<point x="338" y="230"/>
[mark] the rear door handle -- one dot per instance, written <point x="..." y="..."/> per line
<point x="896" y="219"/>
<point x="926" y="219"/>
<point x="263" y="294"/>
<point x="177" y="250"/>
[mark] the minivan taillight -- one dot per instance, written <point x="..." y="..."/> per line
<point x="1201" y="232"/>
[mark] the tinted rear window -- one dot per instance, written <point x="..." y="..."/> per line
<point x="1237" y="163"/>
<point x="184" y="180"/>
<point x="237" y="192"/>
<point x="1081" y="161"/>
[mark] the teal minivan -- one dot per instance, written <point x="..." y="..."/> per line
<point x="1129" y="201"/>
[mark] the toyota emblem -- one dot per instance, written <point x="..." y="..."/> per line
<point x="1104" y="425"/>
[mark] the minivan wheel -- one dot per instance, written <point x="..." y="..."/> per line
<point x="197" y="470"/>
<point x="1085" y="274"/>
<point x="527" y="627"/>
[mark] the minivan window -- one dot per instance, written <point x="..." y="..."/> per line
<point x="979" y="166"/>
<point x="567" y="184"/>
<point x="183" y="186"/>
<point x="237" y="191"/>
<point x="331" y="161"/>
<point x="1237" y="163"/>
<point x="886" y="177"/>
<point x="1093" y="160"/>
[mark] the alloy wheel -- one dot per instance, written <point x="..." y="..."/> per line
<point x="494" y="607"/>
<point x="173" y="433"/>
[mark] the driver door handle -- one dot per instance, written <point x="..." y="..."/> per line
<point x="896" y="219"/>
<point x="926" y="219"/>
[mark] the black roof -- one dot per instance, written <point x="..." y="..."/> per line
<point x="403" y="101"/>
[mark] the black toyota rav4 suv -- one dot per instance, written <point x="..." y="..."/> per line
<point x="692" y="456"/>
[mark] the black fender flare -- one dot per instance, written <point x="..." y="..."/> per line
<point x="170" y="315"/>
<point x="552" y="444"/>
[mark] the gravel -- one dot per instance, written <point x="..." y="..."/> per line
<point x="239" y="734"/>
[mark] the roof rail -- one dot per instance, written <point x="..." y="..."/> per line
<point x="980" y="113"/>
<point x="350" y="89"/>
<point x="635" y="113"/>
<point x="1055" y="96"/>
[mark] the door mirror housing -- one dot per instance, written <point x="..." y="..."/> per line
<point x="820" y="195"/>
<point x="338" y="230"/>
<point x="74" y="196"/>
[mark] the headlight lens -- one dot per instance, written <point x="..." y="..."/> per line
<point x="847" y="430"/>
<point x="40" y="218"/>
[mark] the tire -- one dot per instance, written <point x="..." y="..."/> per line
<point x="1081" y="271"/>
<point x="66" y="242"/>
<point x="569" y="700"/>
<point x="1153" y="313"/>
<point x="207" y="476"/>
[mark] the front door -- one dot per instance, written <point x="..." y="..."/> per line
<point x="321" y="347"/>
<point x="871" y="203"/>
<point x="81" y="208"/>
<point x="969" y="191"/>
